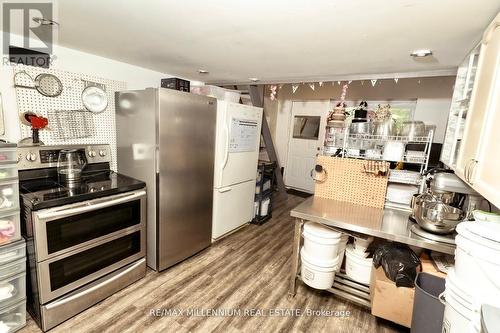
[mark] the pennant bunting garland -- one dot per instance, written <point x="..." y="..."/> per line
<point x="374" y="82"/>
<point x="344" y="92"/>
<point x="294" y="88"/>
<point x="396" y="79"/>
<point x="320" y="83"/>
<point x="311" y="85"/>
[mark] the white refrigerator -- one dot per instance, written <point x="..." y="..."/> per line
<point x="236" y="156"/>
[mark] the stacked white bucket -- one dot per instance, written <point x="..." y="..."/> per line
<point x="321" y="255"/>
<point x="357" y="266"/>
<point x="475" y="279"/>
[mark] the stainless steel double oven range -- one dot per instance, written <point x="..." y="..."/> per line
<point x="86" y="240"/>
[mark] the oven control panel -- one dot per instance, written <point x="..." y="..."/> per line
<point x="35" y="157"/>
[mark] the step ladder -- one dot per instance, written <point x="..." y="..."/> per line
<point x="254" y="95"/>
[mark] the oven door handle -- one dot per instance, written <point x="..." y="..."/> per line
<point x="50" y="214"/>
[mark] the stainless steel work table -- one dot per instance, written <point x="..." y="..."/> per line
<point x="390" y="224"/>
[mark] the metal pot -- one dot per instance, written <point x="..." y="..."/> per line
<point x="436" y="217"/>
<point x="413" y="129"/>
<point x="383" y="128"/>
<point x="359" y="128"/>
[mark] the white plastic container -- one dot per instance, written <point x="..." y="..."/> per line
<point x="9" y="195"/>
<point x="13" y="317"/>
<point x="393" y="151"/>
<point x="8" y="171"/>
<point x="342" y="245"/>
<point x="232" y="96"/>
<point x="461" y="312"/>
<point x="13" y="268"/>
<point x="357" y="267"/>
<point x="217" y="92"/>
<point x="12" y="289"/>
<point x="10" y="227"/>
<point x="315" y="273"/>
<point x="12" y="252"/>
<point x="477" y="259"/>
<point x="8" y="155"/>
<point x="267" y="185"/>
<point x="361" y="244"/>
<point x="320" y="242"/>
<point x="264" y="208"/>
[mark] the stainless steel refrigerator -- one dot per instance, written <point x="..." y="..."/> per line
<point x="167" y="139"/>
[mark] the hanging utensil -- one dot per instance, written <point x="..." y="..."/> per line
<point x="94" y="99"/>
<point x="319" y="170"/>
<point x="94" y="96"/>
<point x="46" y="84"/>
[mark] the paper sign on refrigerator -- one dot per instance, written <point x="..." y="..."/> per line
<point x="243" y="135"/>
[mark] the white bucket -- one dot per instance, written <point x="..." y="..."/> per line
<point x="477" y="264"/>
<point x="461" y="313"/>
<point x="320" y="242"/>
<point x="315" y="273"/>
<point x="357" y="267"/>
<point x="361" y="244"/>
<point x="342" y="245"/>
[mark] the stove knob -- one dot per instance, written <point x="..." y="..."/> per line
<point x="31" y="157"/>
<point x="102" y="153"/>
<point x="92" y="153"/>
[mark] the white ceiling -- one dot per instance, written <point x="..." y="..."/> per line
<point x="279" y="40"/>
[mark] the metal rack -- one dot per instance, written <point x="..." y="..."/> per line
<point x="360" y="152"/>
<point x="266" y="174"/>
<point x="382" y="140"/>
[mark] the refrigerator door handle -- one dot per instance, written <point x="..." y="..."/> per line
<point x="157" y="159"/>
<point x="226" y="154"/>
<point x="225" y="189"/>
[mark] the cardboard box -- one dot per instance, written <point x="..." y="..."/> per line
<point x="428" y="266"/>
<point x="390" y="302"/>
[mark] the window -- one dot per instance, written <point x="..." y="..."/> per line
<point x="401" y="110"/>
<point x="306" y="127"/>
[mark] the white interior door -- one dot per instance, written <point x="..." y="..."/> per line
<point x="307" y="133"/>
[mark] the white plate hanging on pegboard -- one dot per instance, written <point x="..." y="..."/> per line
<point x="94" y="99"/>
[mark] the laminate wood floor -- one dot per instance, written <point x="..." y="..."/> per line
<point x="246" y="270"/>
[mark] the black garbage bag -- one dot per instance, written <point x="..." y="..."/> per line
<point x="399" y="263"/>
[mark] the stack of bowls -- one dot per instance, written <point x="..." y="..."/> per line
<point x="474" y="280"/>
<point x="320" y="255"/>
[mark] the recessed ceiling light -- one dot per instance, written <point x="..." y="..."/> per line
<point x="44" y="21"/>
<point x="421" y="53"/>
<point x="202" y="71"/>
<point x="253" y="79"/>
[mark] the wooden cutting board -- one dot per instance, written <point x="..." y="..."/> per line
<point x="346" y="180"/>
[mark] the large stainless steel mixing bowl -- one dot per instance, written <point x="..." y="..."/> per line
<point x="437" y="217"/>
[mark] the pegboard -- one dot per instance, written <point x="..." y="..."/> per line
<point x="100" y="128"/>
<point x="347" y="181"/>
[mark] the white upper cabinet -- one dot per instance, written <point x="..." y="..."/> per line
<point x="460" y="104"/>
<point x="478" y="161"/>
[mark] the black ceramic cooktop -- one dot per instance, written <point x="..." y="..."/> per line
<point x="49" y="192"/>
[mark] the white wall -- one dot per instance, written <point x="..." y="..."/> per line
<point x="433" y="95"/>
<point x="80" y="62"/>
